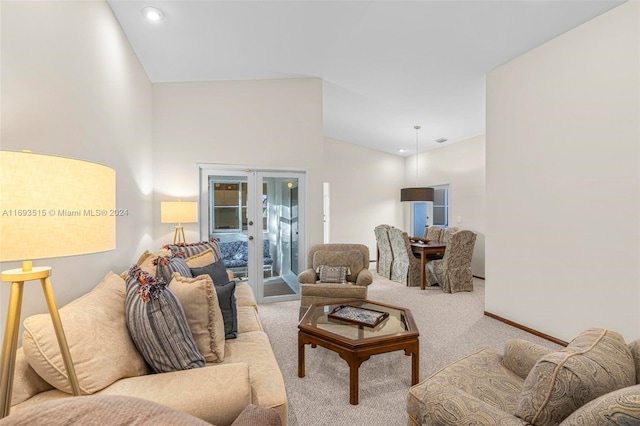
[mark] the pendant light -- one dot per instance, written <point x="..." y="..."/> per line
<point x="416" y="194"/>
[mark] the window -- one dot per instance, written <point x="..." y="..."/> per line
<point x="228" y="199"/>
<point x="441" y="206"/>
<point x="439" y="211"/>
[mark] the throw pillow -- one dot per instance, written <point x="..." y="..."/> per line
<point x="226" y="295"/>
<point x="227" y="300"/>
<point x="216" y="271"/>
<point x="201" y="259"/>
<point x="332" y="274"/>
<point x="167" y="265"/>
<point x="195" y="248"/>
<point x="595" y="363"/>
<point x="96" y="332"/>
<point x="199" y="301"/>
<point x="158" y="325"/>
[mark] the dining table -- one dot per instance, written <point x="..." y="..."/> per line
<point x="422" y="249"/>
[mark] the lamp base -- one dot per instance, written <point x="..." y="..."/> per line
<point x="17" y="277"/>
<point x="178" y="236"/>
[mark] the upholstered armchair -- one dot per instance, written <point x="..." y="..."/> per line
<point x="453" y="271"/>
<point x="385" y="255"/>
<point x="595" y="380"/>
<point x="405" y="267"/>
<point x="325" y="280"/>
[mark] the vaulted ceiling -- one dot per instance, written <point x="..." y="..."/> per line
<point x="386" y="65"/>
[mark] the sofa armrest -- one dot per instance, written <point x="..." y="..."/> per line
<point x="521" y="355"/>
<point x="617" y="407"/>
<point x="308" y="277"/>
<point x="214" y="393"/>
<point x="365" y="277"/>
<point x="253" y="415"/>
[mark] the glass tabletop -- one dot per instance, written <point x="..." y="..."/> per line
<point x="359" y="325"/>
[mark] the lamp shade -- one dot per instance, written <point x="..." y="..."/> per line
<point x="55" y="206"/>
<point x="178" y="212"/>
<point x="416" y="194"/>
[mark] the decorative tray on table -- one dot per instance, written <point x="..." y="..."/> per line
<point x="360" y="316"/>
<point x="419" y="240"/>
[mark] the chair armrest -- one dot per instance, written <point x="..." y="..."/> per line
<point x="308" y="277"/>
<point x="364" y="278"/>
<point x="433" y="403"/>
<point x="520" y="356"/>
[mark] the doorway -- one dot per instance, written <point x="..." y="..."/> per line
<point x="258" y="217"/>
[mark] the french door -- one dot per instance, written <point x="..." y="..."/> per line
<point x="258" y="216"/>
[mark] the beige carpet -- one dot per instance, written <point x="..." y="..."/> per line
<point x="451" y="326"/>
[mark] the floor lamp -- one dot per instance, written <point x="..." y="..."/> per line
<point x="49" y="207"/>
<point x="178" y="212"/>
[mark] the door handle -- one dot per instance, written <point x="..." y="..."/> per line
<point x="250" y="222"/>
<point x="250" y="237"/>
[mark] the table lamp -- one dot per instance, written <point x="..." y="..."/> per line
<point x="49" y="207"/>
<point x="179" y="212"/>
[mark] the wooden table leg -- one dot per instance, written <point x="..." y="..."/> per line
<point x="354" y="367"/>
<point x="301" y="344"/>
<point x="423" y="273"/>
<point x="415" y="365"/>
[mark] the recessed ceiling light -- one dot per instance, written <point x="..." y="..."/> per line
<point x="152" y="14"/>
<point x="402" y="150"/>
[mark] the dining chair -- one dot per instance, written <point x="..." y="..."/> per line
<point x="385" y="255"/>
<point x="446" y="234"/>
<point x="453" y="271"/>
<point x="433" y="233"/>
<point x="405" y="267"/>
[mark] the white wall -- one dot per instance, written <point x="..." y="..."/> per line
<point x="563" y="181"/>
<point x="364" y="190"/>
<point x="462" y="167"/>
<point x="72" y="86"/>
<point x="256" y="123"/>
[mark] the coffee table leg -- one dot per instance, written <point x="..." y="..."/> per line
<point x="354" y="366"/>
<point x="301" y="344"/>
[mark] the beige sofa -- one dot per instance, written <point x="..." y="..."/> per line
<point x="107" y="363"/>
<point x="595" y="381"/>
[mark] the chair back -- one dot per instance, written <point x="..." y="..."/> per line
<point x="385" y="254"/>
<point x="433" y="233"/>
<point x="459" y="249"/>
<point x="355" y="256"/>
<point x="446" y="235"/>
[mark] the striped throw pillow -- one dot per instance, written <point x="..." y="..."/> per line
<point x="158" y="326"/>
<point x="167" y="265"/>
<point x="195" y="248"/>
<point x="332" y="274"/>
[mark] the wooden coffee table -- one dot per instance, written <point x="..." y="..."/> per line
<point x="357" y="343"/>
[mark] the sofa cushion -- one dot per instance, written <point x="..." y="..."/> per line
<point x="158" y="326"/>
<point x="167" y="265"/>
<point x="87" y="410"/>
<point x="216" y="393"/>
<point x="595" y="363"/>
<point x="101" y="348"/>
<point x="199" y="301"/>
<point x="332" y="274"/>
<point x="350" y="258"/>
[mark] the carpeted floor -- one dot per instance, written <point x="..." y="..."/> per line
<point x="451" y="326"/>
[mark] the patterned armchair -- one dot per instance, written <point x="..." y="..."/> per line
<point x="595" y="380"/>
<point x="453" y="271"/>
<point x="447" y="233"/>
<point x="385" y="255"/>
<point x="353" y="256"/>
<point x="405" y="267"/>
